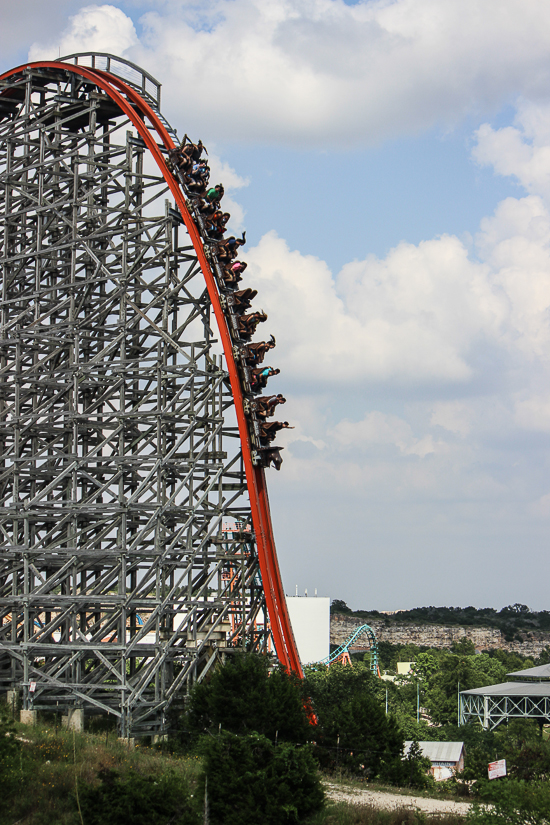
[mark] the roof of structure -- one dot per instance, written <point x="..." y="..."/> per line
<point x="512" y="689"/>
<point x="439" y="751"/>
<point x="540" y="672"/>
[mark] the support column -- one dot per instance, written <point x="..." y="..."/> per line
<point x="13" y="701"/>
<point x="74" y="720"/>
<point x="28" y="717"/>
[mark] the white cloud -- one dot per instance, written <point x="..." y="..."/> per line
<point x="321" y="71"/>
<point x="382" y="428"/>
<point x="454" y="416"/>
<point x="93" y="28"/>
<point x="413" y="316"/>
<point x="522" y="150"/>
<point x="533" y="412"/>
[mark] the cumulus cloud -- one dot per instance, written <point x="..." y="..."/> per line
<point x="94" y="28"/>
<point x="382" y="428"/>
<point x="461" y="332"/>
<point x="454" y="416"/>
<point x="322" y="71"/>
<point x="522" y="150"/>
<point x="414" y="316"/>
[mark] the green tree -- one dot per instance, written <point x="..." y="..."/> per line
<point x="354" y="730"/>
<point x="251" y="780"/>
<point x="244" y="696"/>
<point x="463" y="647"/>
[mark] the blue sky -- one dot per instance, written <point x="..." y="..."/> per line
<point x="390" y="161"/>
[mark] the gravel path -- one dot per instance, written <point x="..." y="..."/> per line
<point x="389" y="801"/>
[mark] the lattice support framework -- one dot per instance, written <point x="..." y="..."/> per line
<point x="491" y="710"/>
<point x="128" y="561"/>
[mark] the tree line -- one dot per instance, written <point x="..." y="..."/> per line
<point x="512" y="620"/>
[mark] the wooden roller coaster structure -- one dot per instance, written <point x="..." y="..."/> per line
<point x="136" y="538"/>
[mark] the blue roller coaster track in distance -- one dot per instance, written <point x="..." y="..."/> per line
<point x="343" y="651"/>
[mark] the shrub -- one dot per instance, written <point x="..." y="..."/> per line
<point x="136" y="799"/>
<point x="251" y="780"/>
<point x="243" y="696"/>
<point x="511" y="802"/>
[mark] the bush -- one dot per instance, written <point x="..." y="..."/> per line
<point x="244" y="697"/>
<point x="136" y="799"/>
<point x="511" y="802"/>
<point x="251" y="780"/>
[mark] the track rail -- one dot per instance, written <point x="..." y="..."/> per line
<point x="344" y="648"/>
<point x="138" y="110"/>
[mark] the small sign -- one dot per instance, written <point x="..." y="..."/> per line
<point x="32" y="687"/>
<point x="497" y="769"/>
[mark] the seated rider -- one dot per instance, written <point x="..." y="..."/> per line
<point x="218" y="223"/>
<point x="184" y="155"/>
<point x="265" y="406"/>
<point x="210" y="203"/>
<point x="269" y="430"/>
<point x="258" y="377"/>
<point x="232" y="272"/>
<point x="253" y="354"/>
<point x="197" y="178"/>
<point x="229" y="248"/>
<point x="248" y="323"/>
<point x="215" y="193"/>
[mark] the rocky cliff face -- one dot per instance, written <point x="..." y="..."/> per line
<point x="438" y="636"/>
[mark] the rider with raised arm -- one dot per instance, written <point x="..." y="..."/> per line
<point x="253" y="354"/>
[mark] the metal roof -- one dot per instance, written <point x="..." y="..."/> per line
<point x="512" y="689"/>
<point x="540" y="672"/>
<point x="439" y="751"/>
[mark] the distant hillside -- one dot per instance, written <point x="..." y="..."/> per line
<point x="515" y="623"/>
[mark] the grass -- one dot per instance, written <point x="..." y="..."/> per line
<point x="437" y="790"/>
<point x="340" y="813"/>
<point x="52" y="764"/>
<point x="43" y="782"/>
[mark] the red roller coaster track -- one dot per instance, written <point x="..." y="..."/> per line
<point x="137" y="109"/>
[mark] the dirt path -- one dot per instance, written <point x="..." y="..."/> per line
<point x="389" y="801"/>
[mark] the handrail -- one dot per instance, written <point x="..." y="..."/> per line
<point x="129" y="72"/>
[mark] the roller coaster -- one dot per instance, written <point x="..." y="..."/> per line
<point x="137" y="547"/>
<point x="342" y="653"/>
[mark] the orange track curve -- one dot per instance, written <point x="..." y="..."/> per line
<point x="121" y="93"/>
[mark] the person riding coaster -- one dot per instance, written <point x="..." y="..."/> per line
<point x="248" y="323"/>
<point x="196" y="179"/>
<point x="229" y="248"/>
<point x="253" y="354"/>
<point x="184" y="155"/>
<point x="232" y="272"/>
<point x="265" y="405"/>
<point x="216" y="224"/>
<point x="208" y="206"/>
<point x="269" y="430"/>
<point x="259" y="377"/>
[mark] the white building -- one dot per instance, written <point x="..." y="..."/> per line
<point x="310" y="619"/>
